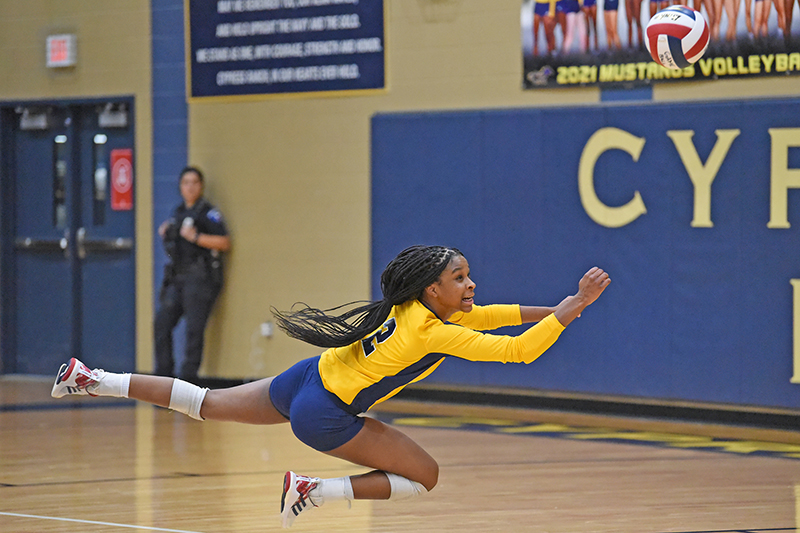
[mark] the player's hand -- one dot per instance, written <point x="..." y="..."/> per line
<point x="592" y="285"/>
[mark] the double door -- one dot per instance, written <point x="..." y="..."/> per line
<point x="68" y="268"/>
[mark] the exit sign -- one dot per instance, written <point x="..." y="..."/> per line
<point x="61" y="50"/>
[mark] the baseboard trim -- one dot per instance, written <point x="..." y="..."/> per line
<point x="745" y="415"/>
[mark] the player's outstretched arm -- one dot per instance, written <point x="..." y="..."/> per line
<point x="590" y="287"/>
<point x="534" y="313"/>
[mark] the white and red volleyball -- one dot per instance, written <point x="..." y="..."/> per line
<point x="677" y="37"/>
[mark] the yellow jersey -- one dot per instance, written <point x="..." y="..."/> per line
<point x="413" y="341"/>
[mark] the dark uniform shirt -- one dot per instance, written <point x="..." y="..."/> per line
<point x="207" y="219"/>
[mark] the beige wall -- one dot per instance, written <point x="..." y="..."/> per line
<point x="113" y="60"/>
<point x="292" y="174"/>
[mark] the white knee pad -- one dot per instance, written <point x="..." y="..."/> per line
<point x="187" y="398"/>
<point x="403" y="489"/>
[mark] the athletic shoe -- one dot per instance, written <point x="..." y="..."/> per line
<point x="77" y="379"/>
<point x="294" y="499"/>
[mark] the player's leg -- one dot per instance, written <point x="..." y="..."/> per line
<point x="569" y="32"/>
<point x="629" y="19"/>
<point x="732" y="14"/>
<point x="386" y="450"/>
<point x="715" y="20"/>
<point x="400" y="467"/>
<point x="248" y="403"/>
<point x="611" y="29"/>
<point x="401" y="470"/>
<point x="758" y="15"/>
<point x="550" y="33"/>
<point x="780" y="9"/>
<point x="583" y="35"/>
<point x="637" y="19"/>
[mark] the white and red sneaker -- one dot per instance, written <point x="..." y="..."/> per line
<point x="75" y="378"/>
<point x="295" y="499"/>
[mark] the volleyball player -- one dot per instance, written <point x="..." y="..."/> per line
<point x="427" y="313"/>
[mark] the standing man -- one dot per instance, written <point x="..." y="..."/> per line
<point x="194" y="238"/>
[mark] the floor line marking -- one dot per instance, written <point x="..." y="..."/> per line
<point x="129" y="526"/>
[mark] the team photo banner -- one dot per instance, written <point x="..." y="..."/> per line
<point x="256" y="47"/>
<point x="569" y="43"/>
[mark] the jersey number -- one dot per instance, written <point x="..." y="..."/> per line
<point x="370" y="343"/>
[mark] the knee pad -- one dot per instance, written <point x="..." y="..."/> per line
<point x="403" y="489"/>
<point x="187" y="398"/>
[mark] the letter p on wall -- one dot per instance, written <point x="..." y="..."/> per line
<point x="782" y="178"/>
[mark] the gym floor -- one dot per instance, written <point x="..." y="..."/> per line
<point x="97" y="464"/>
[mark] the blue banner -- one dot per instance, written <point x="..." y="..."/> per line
<point x="692" y="208"/>
<point x="249" y="47"/>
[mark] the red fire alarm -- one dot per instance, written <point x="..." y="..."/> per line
<point x="122" y="179"/>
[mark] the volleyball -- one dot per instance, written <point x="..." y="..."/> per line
<point x="677" y="37"/>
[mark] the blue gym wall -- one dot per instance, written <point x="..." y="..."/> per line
<point x="170" y="116"/>
<point x="693" y="313"/>
<point x="170" y="131"/>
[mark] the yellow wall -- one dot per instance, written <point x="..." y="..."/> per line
<point x="113" y="41"/>
<point x="292" y="175"/>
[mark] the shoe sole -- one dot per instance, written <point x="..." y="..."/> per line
<point x="287" y="480"/>
<point x="288" y="490"/>
<point x="60" y="376"/>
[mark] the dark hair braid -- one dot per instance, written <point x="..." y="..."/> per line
<point x="403" y="279"/>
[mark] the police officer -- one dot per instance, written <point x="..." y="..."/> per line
<point x="194" y="239"/>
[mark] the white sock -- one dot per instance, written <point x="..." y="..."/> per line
<point x="187" y="398"/>
<point x="115" y="385"/>
<point x="403" y="488"/>
<point x="331" y="490"/>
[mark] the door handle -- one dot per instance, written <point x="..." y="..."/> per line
<point x="85" y="245"/>
<point x="80" y="238"/>
<point x="64" y="243"/>
<point x="44" y="245"/>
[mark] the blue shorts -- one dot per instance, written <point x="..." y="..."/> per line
<point x="318" y="417"/>
<point x="568" y="6"/>
<point x="542" y="9"/>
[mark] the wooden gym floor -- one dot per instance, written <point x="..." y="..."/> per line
<point x="104" y="465"/>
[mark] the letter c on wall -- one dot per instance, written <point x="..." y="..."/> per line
<point x="602" y="140"/>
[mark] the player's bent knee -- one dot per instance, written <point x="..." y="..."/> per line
<point x="432" y="477"/>
<point x="403" y="489"/>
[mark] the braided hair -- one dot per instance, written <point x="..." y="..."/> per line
<point x="404" y="278"/>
